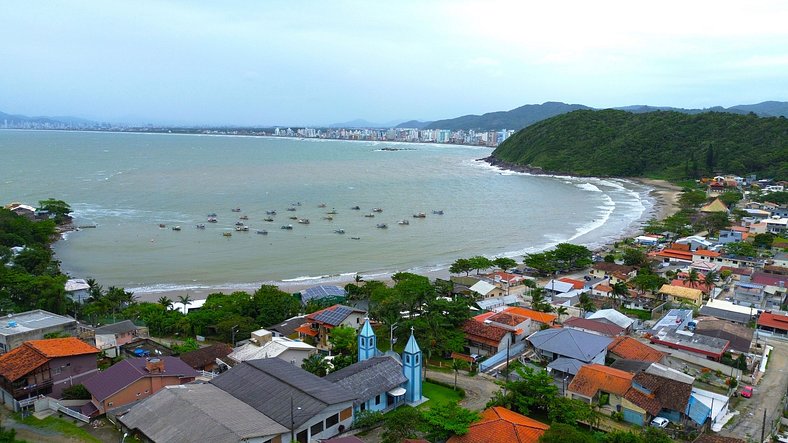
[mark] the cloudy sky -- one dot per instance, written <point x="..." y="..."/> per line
<point x="317" y="62"/>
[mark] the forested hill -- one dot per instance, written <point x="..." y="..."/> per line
<point x="659" y="144"/>
<point x="515" y="119"/>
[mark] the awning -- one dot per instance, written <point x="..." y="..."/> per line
<point x="396" y="392"/>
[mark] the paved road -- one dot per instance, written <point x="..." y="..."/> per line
<point x="478" y="390"/>
<point x="767" y="395"/>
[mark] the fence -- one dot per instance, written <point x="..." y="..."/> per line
<point x="494" y="360"/>
<point x="50" y="403"/>
<point x="206" y="374"/>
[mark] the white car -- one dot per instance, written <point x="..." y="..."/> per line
<point x="660" y="422"/>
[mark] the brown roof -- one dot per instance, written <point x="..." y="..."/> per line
<point x="773" y="321"/>
<point x="631" y="349"/>
<point x="500" y="425"/>
<point x="665" y="393"/>
<point x="593" y="378"/>
<point x="506" y="318"/>
<point x="481" y="332"/>
<point x="739" y="336"/>
<point x="20" y="361"/>
<point x="712" y="438"/>
<point x="604" y="328"/>
<point x="207" y="355"/>
<point x="541" y="317"/>
<point x="612" y="267"/>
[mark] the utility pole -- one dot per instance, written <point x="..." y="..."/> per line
<point x="234" y="330"/>
<point x="763" y="429"/>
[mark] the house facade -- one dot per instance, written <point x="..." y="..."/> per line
<point x="16" y="329"/>
<point x="109" y="338"/>
<point x="319" y="324"/>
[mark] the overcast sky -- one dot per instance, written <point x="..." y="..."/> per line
<point x="318" y="62"/>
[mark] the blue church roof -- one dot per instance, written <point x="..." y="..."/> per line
<point x="412" y="347"/>
<point x="366" y="330"/>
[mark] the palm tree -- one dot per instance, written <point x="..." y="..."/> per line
<point x="456" y="365"/>
<point x="561" y="311"/>
<point x="711" y="278"/>
<point x="693" y="277"/>
<point x="166" y="302"/>
<point x="185" y="300"/>
<point x="620" y="290"/>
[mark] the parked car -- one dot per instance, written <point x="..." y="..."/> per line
<point x="746" y="392"/>
<point x="660" y="422"/>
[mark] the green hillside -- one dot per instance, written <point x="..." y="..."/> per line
<point x="668" y="145"/>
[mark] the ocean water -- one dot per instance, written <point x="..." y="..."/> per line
<point x="128" y="184"/>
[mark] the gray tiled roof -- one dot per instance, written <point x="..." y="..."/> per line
<point x="572" y="343"/>
<point x="198" y="412"/>
<point x="269" y="385"/>
<point x="288" y="327"/>
<point x="370" y="377"/>
<point x="117" y="328"/>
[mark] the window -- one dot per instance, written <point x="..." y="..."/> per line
<point x="363" y="407"/>
<point x="316" y="428"/>
<point x="346" y="414"/>
<point x="363" y="342"/>
<point x="109" y="404"/>
<point x="331" y="421"/>
<point x="56" y="371"/>
<point x="377" y="399"/>
<point x="417" y="359"/>
<point x="407" y="359"/>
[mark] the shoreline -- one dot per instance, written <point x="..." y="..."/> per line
<point x="664" y="199"/>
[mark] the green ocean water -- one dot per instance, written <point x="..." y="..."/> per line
<point x="128" y="184"/>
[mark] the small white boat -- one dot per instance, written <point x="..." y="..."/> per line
<point x="377" y="210"/>
<point x="381" y="226"/>
<point x="403" y="222"/>
<point x="176" y="228"/>
<point x="242" y="228"/>
<point x="328" y="217"/>
<point x="332" y="212"/>
<point x="212" y="220"/>
<point x="303" y="221"/>
<point x="420" y="215"/>
<point x="270" y="212"/>
<point x="291" y="209"/>
<point x="200" y="226"/>
<point x="321" y="205"/>
<point x="369" y="215"/>
<point x="339" y="231"/>
<point x="288" y="227"/>
<point x="244" y="217"/>
<point x="236" y="209"/>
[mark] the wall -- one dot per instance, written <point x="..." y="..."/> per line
<point x="16" y="340"/>
<point x="342" y="408"/>
<point x="296" y="355"/>
<point x="73" y="370"/>
<point x="145" y="387"/>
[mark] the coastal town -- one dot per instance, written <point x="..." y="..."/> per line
<point x="679" y="333"/>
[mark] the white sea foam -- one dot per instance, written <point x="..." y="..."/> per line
<point x="588" y="187"/>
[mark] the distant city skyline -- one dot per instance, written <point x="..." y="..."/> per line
<point x="286" y="63"/>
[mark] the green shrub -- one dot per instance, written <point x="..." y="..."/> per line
<point x="367" y="419"/>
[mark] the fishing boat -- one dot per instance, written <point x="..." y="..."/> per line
<point x="227" y="234"/>
<point x="381" y="226"/>
<point x="236" y="209"/>
<point x="369" y="215"/>
<point x="270" y="212"/>
<point x="212" y="220"/>
<point x="377" y="210"/>
<point x="268" y="219"/>
<point x="262" y="232"/>
<point x="293" y="218"/>
<point x="212" y="214"/>
<point x="355" y="238"/>
<point x="420" y="215"/>
<point x="332" y="212"/>
<point x="403" y="222"/>
<point x="242" y="228"/>
<point x="244" y="217"/>
<point x="176" y="228"/>
<point x="303" y="221"/>
<point x="162" y="225"/>
<point x="291" y="209"/>
<point x="200" y="226"/>
<point x="239" y="223"/>
<point x="355" y="208"/>
<point x="339" y="231"/>
<point x="328" y="217"/>
<point x="440" y="212"/>
<point x="288" y="227"/>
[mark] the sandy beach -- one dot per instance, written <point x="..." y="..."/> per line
<point x="664" y="193"/>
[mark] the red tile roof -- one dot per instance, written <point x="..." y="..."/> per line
<point x="612" y="267"/>
<point x="603" y="288"/>
<point x="20" y="361"/>
<point x="593" y="378"/>
<point x="485" y="316"/>
<point x="692" y="285"/>
<point x="500" y="425"/>
<point x="630" y="349"/>
<point x="541" y="317"/>
<point x="62" y="347"/>
<point x="706" y="253"/>
<point x="483" y="333"/>
<point x="773" y="321"/>
<point x="508" y="319"/>
<point x="306" y="329"/>
<point x="577" y="284"/>
<point x="675" y="253"/>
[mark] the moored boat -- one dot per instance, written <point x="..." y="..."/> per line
<point x="270" y="212"/>
<point x="236" y="209"/>
<point x="328" y="217"/>
<point x="262" y="232"/>
<point x="162" y="225"/>
<point x="268" y="219"/>
<point x="369" y="215"/>
<point x="291" y="209"/>
<point x="381" y="226"/>
<point x="288" y="227"/>
<point x="244" y="217"/>
<point x="303" y="221"/>
<point x="403" y="222"/>
<point x="227" y="234"/>
<point x="377" y="210"/>
<point x="321" y="205"/>
<point x="212" y="220"/>
<point x="242" y="228"/>
<point x="339" y="231"/>
<point x="419" y="215"/>
<point x="355" y="238"/>
<point x="355" y="208"/>
<point x="176" y="228"/>
<point x="200" y="226"/>
<point x="439" y="212"/>
<point x="293" y="218"/>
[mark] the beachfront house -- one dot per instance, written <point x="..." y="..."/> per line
<point x="16" y="329"/>
<point x="109" y="338"/>
<point x="559" y="344"/>
<point x="318" y="325"/>
<point x="264" y="345"/>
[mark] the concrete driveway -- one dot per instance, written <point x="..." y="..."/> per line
<point x="767" y="395"/>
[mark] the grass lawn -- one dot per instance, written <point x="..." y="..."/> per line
<point x="437" y="393"/>
<point x="61" y="426"/>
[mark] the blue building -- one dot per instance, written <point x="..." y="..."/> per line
<point x="378" y="381"/>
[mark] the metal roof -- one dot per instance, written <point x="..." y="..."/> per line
<point x="126" y="372"/>
<point x="333" y="315"/>
<point x="271" y="384"/>
<point x="571" y="343"/>
<point x="30" y="321"/>
<point x="370" y="377"/>
<point x="117" y="328"/>
<point x="198" y="412"/>
<point x="565" y="365"/>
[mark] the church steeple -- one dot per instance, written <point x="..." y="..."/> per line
<point x="367" y="342"/>
<point x="411" y="367"/>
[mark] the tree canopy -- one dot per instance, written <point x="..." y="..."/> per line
<point x="565" y="257"/>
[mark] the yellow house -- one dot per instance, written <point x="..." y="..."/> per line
<point x="680" y="294"/>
